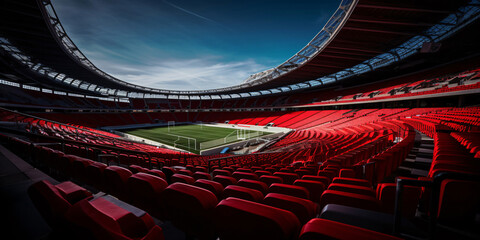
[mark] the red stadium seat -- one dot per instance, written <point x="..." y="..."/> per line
<point x="351" y="181"/>
<point x="189" y="208"/>
<point x="212" y="186"/>
<point x="115" y="181"/>
<point x="157" y="173"/>
<point x="202" y="175"/>
<point x="225" y="180"/>
<point x="302" y="208"/>
<point x="253" y="184"/>
<point x="349" y="199"/>
<point x="314" y="188"/>
<point x="325" y="229"/>
<point x="458" y="201"/>
<point x="292" y="190"/>
<point x="52" y="203"/>
<point x="105" y="220"/>
<point x="243" y="193"/>
<point x="241" y="219"/>
<point x="288" y="178"/>
<point x="347" y="173"/>
<point x="262" y="172"/>
<point x="145" y="190"/>
<point x="135" y="169"/>
<point x="185" y="172"/>
<point x="386" y="193"/>
<point x="325" y="180"/>
<point x="79" y="166"/>
<point x="244" y="175"/>
<point x="246" y="170"/>
<point x="352" y="189"/>
<point x="182" y="178"/>
<point x="95" y="178"/>
<point x="221" y="172"/>
<point x="269" y="180"/>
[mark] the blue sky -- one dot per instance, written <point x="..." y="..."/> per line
<point x="191" y="44"/>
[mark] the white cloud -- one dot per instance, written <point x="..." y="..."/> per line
<point x="192" y="74"/>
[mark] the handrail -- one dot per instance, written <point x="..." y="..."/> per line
<point x="398" y="198"/>
<point x="364" y="170"/>
<point x="100" y="156"/>
<point x="435" y="185"/>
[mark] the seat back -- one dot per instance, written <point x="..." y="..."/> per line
<point x="302" y="208"/>
<point x="292" y="190"/>
<point x="241" y="219"/>
<point x="116" y="180"/>
<point x="49" y="202"/>
<point x="243" y="193"/>
<point x="189" y="208"/>
<point x="145" y="190"/>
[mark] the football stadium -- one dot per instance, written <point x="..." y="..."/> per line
<point x="202" y="120"/>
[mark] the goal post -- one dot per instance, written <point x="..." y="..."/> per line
<point x="235" y="135"/>
<point x="171" y="125"/>
<point x="186" y="142"/>
<point x="242" y="134"/>
<point x="229" y="137"/>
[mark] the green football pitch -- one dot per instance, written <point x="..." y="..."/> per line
<point x="195" y="137"/>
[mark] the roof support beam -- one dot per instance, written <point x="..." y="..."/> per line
<point x="23" y="13"/>
<point x="342" y="57"/>
<point x="30" y="32"/>
<point x="406" y="9"/>
<point x="325" y="65"/>
<point x="391" y="22"/>
<point x="351" y="53"/>
<point x="379" y="31"/>
<point x="355" y="49"/>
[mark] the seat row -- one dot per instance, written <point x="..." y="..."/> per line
<point x="72" y="210"/>
<point x="192" y="209"/>
<point x="145" y="188"/>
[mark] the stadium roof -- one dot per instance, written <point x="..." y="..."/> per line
<point x="373" y="27"/>
<point x="358" y="31"/>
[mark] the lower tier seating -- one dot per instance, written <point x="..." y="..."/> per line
<point x="289" y="185"/>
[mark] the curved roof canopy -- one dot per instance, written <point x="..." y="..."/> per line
<point x="359" y="30"/>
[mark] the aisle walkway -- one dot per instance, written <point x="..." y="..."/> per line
<point x="418" y="162"/>
<point x="23" y="220"/>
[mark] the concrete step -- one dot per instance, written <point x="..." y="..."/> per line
<point x="416" y="165"/>
<point x="413" y="172"/>
<point x="424" y="160"/>
<point x="404" y="169"/>
<point x="427" y="146"/>
<point x="425" y="150"/>
<point x="427" y="141"/>
<point x="419" y="173"/>
<point x="409" y="160"/>
<point x="425" y="155"/>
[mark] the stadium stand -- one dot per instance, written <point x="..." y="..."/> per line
<point x="389" y="150"/>
<point x="346" y="153"/>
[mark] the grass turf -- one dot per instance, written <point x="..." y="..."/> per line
<point x="199" y="132"/>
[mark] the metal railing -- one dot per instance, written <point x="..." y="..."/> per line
<point x="435" y="186"/>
